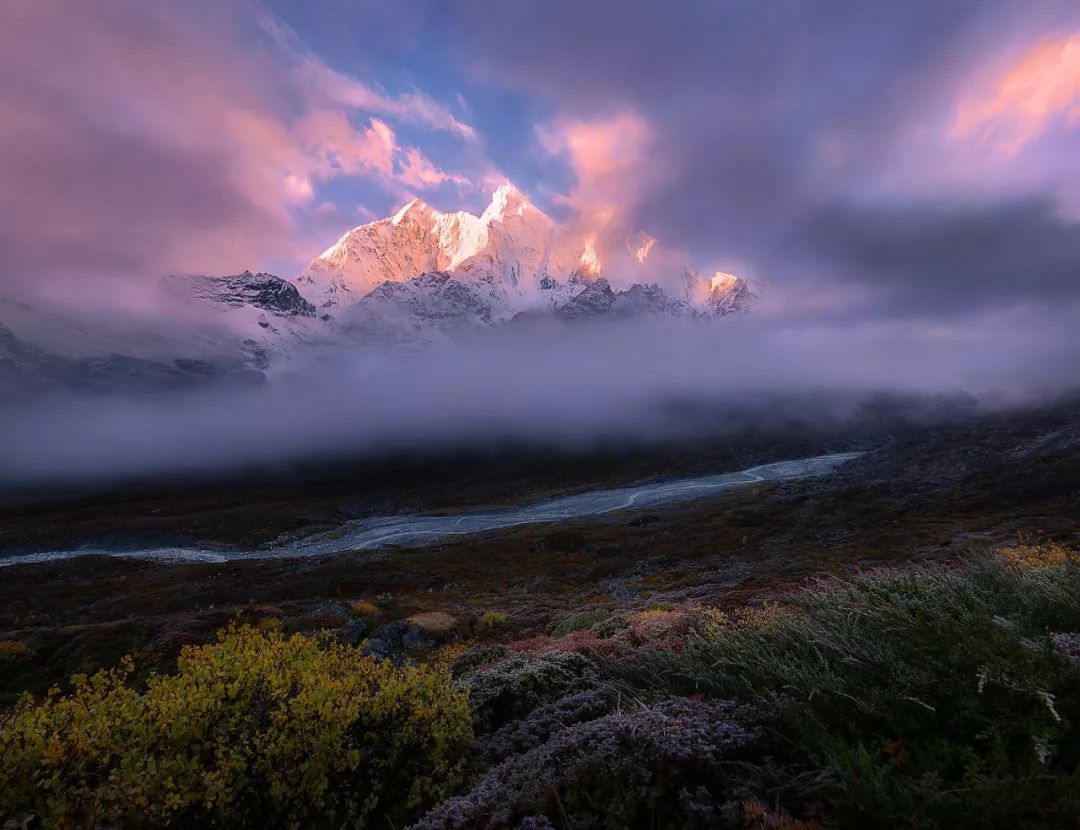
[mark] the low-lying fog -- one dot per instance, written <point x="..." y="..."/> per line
<point x="544" y="384"/>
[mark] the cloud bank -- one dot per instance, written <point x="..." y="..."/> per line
<point x="542" y="385"/>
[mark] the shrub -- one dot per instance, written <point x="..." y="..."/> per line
<point x="1029" y="554"/>
<point x="363" y="609"/>
<point x="658" y="626"/>
<point x="758" y="816"/>
<point x="582" y="621"/>
<point x="477" y="657"/>
<point x="926" y="696"/>
<point x="439" y="624"/>
<point x="537" y="644"/>
<point x="12" y="651"/>
<point x="540" y="724"/>
<point x="759" y="617"/>
<point x="610" y="627"/>
<point x="253" y="730"/>
<point x="661" y="766"/>
<point x="490" y="620"/>
<point x="513" y="687"/>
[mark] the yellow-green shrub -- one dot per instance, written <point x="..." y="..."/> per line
<point x="492" y="619"/>
<point x="363" y="609"/>
<point x="12" y="651"/>
<point x="1035" y="556"/>
<point x="254" y="730"/>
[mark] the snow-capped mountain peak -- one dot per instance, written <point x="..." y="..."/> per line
<point x="723" y="282"/>
<point x="512" y="243"/>
<point x="506" y="201"/>
<point x="414" y="211"/>
<point x="510" y="259"/>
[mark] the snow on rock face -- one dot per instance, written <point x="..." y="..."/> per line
<point x="516" y="257"/>
<point x="264" y="291"/>
<point x="640" y="300"/>
<point x="598" y="299"/>
<point x="719" y="295"/>
<point x="390" y="250"/>
<point x="424" y="308"/>
<point x="728" y="294"/>
<point x="595" y="300"/>
<point x="512" y="243"/>
<point x="260" y="318"/>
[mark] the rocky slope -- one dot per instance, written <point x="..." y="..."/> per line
<point x="263" y="291"/>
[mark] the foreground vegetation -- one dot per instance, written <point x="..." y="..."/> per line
<point x="923" y="696"/>
<point x="254" y="730"/>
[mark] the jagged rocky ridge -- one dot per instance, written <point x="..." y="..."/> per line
<point x="422" y="273"/>
<point x="264" y="291"/>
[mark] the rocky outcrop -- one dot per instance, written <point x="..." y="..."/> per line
<point x="264" y="291"/>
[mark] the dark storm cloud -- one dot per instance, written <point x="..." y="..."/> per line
<point x="652" y="50"/>
<point x="743" y="94"/>
<point x="946" y="259"/>
<point x="768" y="115"/>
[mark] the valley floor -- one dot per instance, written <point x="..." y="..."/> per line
<point x="637" y="586"/>
<point x="924" y="495"/>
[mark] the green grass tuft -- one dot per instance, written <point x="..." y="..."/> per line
<point x="582" y="621"/>
<point x="927" y="696"/>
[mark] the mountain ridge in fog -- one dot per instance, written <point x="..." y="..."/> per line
<point x="416" y="277"/>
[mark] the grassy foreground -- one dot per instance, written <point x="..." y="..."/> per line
<point x="922" y="696"/>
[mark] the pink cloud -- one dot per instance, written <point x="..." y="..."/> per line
<point x="1038" y="89"/>
<point x="412" y="107"/>
<point x="1003" y="129"/>
<point x="609" y="158"/>
<point x="141" y="138"/>
<point x="298" y="189"/>
<point x="336" y="148"/>
<point x="417" y="171"/>
<point x="615" y="162"/>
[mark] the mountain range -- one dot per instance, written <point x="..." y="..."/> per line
<point x="511" y="259"/>
<point x="415" y="277"/>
